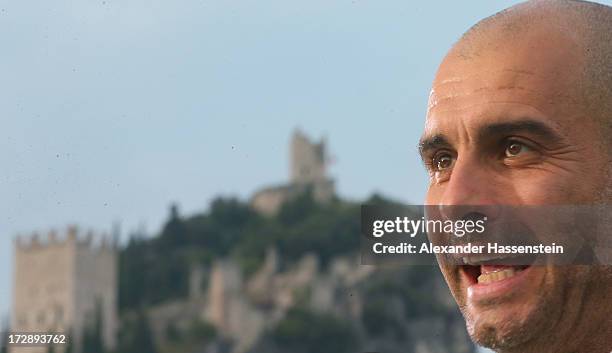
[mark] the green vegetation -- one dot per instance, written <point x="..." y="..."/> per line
<point x="135" y="335"/>
<point x="305" y="331"/>
<point x="92" y="337"/>
<point x="157" y="269"/>
<point x="5" y="337"/>
<point x="190" y="339"/>
<point x="397" y="296"/>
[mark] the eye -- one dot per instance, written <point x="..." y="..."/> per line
<point x="515" y="148"/>
<point x="443" y="161"/>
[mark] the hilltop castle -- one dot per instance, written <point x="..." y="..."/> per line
<point x="307" y="172"/>
<point x="61" y="284"/>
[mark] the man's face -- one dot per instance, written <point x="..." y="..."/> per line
<point x="506" y="128"/>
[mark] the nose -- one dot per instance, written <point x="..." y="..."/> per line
<point x="470" y="192"/>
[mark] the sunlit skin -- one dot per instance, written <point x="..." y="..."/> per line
<point x="507" y="127"/>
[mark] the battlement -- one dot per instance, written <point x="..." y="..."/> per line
<point x="71" y="237"/>
<point x="61" y="278"/>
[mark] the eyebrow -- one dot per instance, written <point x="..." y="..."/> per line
<point x="531" y="126"/>
<point x="429" y="143"/>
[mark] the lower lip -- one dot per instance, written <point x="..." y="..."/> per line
<point x="486" y="291"/>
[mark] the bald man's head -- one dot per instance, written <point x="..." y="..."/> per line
<point x="585" y="26"/>
<point x="520" y="113"/>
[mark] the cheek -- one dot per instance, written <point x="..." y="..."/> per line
<point x="541" y="187"/>
<point x="540" y="194"/>
<point x="453" y="280"/>
<point x="529" y="186"/>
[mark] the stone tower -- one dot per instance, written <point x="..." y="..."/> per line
<point x="307" y="171"/>
<point x="308" y="160"/>
<point x="60" y="285"/>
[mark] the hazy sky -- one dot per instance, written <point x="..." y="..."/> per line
<point x="111" y="110"/>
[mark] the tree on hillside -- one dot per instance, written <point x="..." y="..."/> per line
<point x="303" y="331"/>
<point x="174" y="233"/>
<point x="296" y="209"/>
<point x="92" y="336"/>
<point x="69" y="344"/>
<point x="136" y="335"/>
<point x="4" y="346"/>
<point x="5" y="335"/>
<point x="143" y="338"/>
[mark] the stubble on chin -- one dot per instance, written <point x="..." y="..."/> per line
<point x="515" y="333"/>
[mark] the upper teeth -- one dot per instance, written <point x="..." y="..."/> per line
<point x="496" y="276"/>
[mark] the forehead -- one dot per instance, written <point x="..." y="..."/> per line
<point x="535" y="77"/>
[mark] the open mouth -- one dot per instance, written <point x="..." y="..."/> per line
<point x="492" y="270"/>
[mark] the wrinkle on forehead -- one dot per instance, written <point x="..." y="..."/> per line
<point x="475" y="105"/>
<point x="457" y="79"/>
<point x="461" y="82"/>
<point x="448" y="84"/>
<point x="436" y="100"/>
